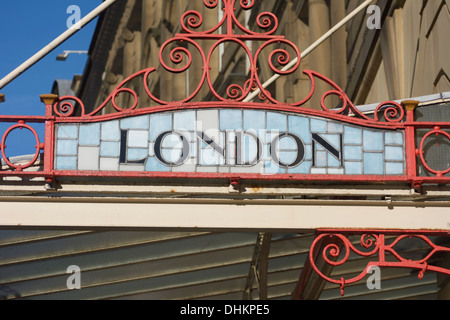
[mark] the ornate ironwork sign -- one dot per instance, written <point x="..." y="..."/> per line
<point x="226" y="137"/>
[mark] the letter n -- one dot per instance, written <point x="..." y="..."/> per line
<point x="319" y="140"/>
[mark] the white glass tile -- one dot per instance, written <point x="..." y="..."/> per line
<point x="88" y="158"/>
<point x="109" y="164"/>
<point x="207" y="119"/>
<point x="137" y="139"/>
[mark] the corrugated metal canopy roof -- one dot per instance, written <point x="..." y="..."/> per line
<point x="175" y="266"/>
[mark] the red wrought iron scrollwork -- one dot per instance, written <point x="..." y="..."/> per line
<point x="176" y="57"/>
<point x="21" y="125"/>
<point x="337" y="251"/>
<point x="436" y="132"/>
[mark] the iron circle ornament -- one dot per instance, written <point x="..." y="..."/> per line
<point x="20" y="125"/>
<point x="421" y="152"/>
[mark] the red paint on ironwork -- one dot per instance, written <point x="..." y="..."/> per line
<point x="20" y="125"/>
<point x="375" y="244"/>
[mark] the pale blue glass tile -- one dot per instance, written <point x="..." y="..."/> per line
<point x="66" y="163"/>
<point x="318" y="147"/>
<point x="230" y="119"/>
<point x="67" y="131"/>
<point x="272" y="168"/>
<point x="66" y="147"/>
<point x="277" y="121"/>
<point x="373" y="163"/>
<point x="160" y="123"/>
<point x="137" y="138"/>
<point x="318" y="126"/>
<point x="308" y="152"/>
<point x="151" y="149"/>
<point x="172" y="141"/>
<point x="373" y="140"/>
<point x="335" y="127"/>
<point x="110" y="149"/>
<point x="287" y="157"/>
<point x="303" y="168"/>
<point x="171" y="155"/>
<point x="250" y="149"/>
<point x="266" y="153"/>
<point x="333" y="161"/>
<point x="321" y="158"/>
<point x="300" y="127"/>
<point x="184" y="120"/>
<point x="394" y="153"/>
<point x="153" y="165"/>
<point x="353" y="168"/>
<point x="353" y="153"/>
<point x="394" y="138"/>
<point x="287" y="143"/>
<point x="209" y="157"/>
<point x="111" y="131"/>
<point x="90" y="134"/>
<point x="395" y="168"/>
<point x="254" y="120"/>
<point x="140" y="122"/>
<point x="352" y="135"/>
<point x="136" y="154"/>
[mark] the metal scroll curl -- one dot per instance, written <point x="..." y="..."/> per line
<point x="337" y="252"/>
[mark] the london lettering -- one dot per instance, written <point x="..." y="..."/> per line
<point x="232" y="148"/>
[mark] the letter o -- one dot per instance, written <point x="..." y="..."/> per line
<point x="300" y="150"/>
<point x="184" y="154"/>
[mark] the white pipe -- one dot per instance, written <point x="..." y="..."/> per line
<point x="311" y="48"/>
<point x="55" y="43"/>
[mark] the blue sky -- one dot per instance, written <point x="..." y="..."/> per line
<point x="26" y="26"/>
